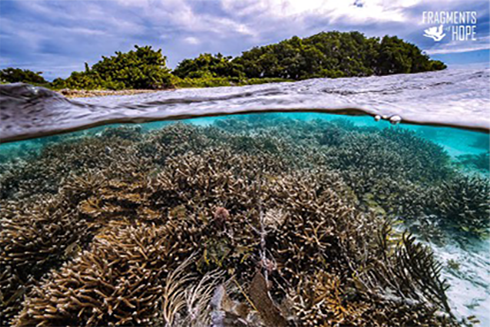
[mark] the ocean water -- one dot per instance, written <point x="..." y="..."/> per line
<point x="431" y="181"/>
<point x="453" y="97"/>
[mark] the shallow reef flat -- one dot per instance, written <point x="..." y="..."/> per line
<point x="251" y="221"/>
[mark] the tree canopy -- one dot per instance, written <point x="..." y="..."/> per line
<point x="207" y="65"/>
<point x="13" y="75"/>
<point x="143" y="68"/>
<point x="327" y="54"/>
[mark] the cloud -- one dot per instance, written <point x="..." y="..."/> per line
<point x="192" y="40"/>
<point x="59" y="36"/>
<point x="458" y="49"/>
<point x="482" y="43"/>
<point x="333" y="11"/>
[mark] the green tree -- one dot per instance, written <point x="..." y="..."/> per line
<point x="396" y="56"/>
<point x="207" y="65"/>
<point x="13" y="75"/>
<point x="143" y="68"/>
<point x="335" y="54"/>
<point x="326" y="54"/>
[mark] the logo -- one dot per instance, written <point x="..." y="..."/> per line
<point x="436" y="33"/>
<point x="459" y="25"/>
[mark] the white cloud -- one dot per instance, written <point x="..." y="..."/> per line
<point x="482" y="43"/>
<point x="192" y="40"/>
<point x="134" y="3"/>
<point x="458" y="49"/>
<point x="370" y="11"/>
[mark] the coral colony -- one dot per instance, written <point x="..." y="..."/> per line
<point x="247" y="222"/>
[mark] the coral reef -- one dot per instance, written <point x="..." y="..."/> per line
<point x="119" y="280"/>
<point x="250" y="222"/>
<point x="463" y="205"/>
<point x="476" y="161"/>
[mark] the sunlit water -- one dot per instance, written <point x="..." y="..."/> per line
<point x="451" y="98"/>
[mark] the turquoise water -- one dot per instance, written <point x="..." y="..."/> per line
<point x="465" y="261"/>
<point x="456" y="141"/>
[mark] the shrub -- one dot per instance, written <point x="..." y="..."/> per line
<point x="13" y="75"/>
<point x="142" y="68"/>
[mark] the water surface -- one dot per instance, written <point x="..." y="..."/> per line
<point x="454" y="97"/>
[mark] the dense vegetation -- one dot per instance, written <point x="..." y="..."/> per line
<point x="146" y="69"/>
<point x="14" y="75"/>
<point x="142" y="68"/>
<point x="332" y="54"/>
<point x="207" y="65"/>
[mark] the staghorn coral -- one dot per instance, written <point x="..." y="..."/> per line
<point x="479" y="162"/>
<point x="36" y="238"/>
<point x="44" y="173"/>
<point x="299" y="202"/>
<point x="378" y="293"/>
<point x="132" y="133"/>
<point x="428" y="161"/>
<point x="119" y="280"/>
<point x="464" y="205"/>
<point x="319" y="300"/>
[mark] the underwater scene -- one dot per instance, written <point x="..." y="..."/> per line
<point x="265" y="219"/>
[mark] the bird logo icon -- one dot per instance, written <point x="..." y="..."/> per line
<point x="435" y="33"/>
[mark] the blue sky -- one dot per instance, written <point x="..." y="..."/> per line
<point x="57" y="37"/>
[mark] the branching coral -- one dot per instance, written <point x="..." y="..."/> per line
<point x="44" y="173"/>
<point x="479" y="161"/>
<point x="149" y="224"/>
<point x="464" y="205"/>
<point x="34" y="239"/>
<point x="118" y="281"/>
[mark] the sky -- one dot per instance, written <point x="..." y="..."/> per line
<point x="59" y="36"/>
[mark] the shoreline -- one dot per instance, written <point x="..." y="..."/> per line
<point x="68" y="93"/>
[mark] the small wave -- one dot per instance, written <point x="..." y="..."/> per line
<point x="456" y="98"/>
